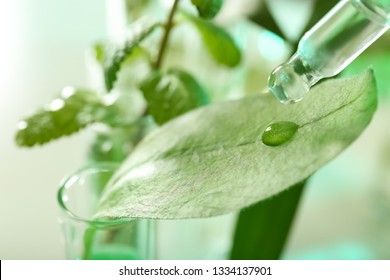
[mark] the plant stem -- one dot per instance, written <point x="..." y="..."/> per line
<point x="164" y="41"/>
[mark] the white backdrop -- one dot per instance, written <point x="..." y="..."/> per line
<point x="42" y="49"/>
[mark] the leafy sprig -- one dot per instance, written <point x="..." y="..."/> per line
<point x="168" y="94"/>
<point x="71" y="111"/>
<point x="112" y="64"/>
<point x="171" y="94"/>
<point x="208" y="9"/>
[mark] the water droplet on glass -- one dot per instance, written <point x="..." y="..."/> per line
<point x="279" y="133"/>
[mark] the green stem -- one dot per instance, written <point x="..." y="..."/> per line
<point x="89" y="237"/>
<point x="262" y="230"/>
<point x="164" y="41"/>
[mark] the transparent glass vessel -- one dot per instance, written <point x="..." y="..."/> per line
<point x="132" y="239"/>
<point x="85" y="238"/>
<point x="330" y="46"/>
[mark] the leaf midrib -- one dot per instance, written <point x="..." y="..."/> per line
<point x="204" y="149"/>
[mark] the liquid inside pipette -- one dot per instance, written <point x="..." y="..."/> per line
<point x="332" y="44"/>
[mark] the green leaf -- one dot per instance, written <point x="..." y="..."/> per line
<point x="378" y="57"/>
<point x="218" y="42"/>
<point x="211" y="161"/>
<point x="114" y="144"/>
<point x="72" y="110"/>
<point x="319" y="10"/>
<point x="99" y="51"/>
<point x="138" y="32"/>
<point x="264" y="18"/>
<point x="172" y="94"/>
<point x="208" y="9"/>
<point x="262" y="229"/>
<point x="89" y="238"/>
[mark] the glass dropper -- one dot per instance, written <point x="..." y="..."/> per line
<point x="330" y="46"/>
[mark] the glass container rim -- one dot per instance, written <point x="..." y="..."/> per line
<point x="67" y="180"/>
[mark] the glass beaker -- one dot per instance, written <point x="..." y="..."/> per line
<point x="86" y="238"/>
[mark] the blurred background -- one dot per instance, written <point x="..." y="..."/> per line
<point x="345" y="212"/>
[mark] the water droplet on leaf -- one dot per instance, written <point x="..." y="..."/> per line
<point x="56" y="104"/>
<point x="106" y="146"/>
<point x="22" y="125"/>
<point x="279" y="133"/>
<point x="68" y="92"/>
<point x="110" y="98"/>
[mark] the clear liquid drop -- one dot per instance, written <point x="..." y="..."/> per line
<point x="290" y="82"/>
<point x="106" y="147"/>
<point x="279" y="133"/>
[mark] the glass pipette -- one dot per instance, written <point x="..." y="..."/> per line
<point x="330" y="46"/>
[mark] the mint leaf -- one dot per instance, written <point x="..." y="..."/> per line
<point x="172" y="94"/>
<point x="211" y="161"/>
<point x="138" y="32"/>
<point x="208" y="9"/>
<point x="72" y="110"/>
<point x="218" y="42"/>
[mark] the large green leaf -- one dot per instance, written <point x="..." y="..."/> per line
<point x="208" y="9"/>
<point x="72" y="110"/>
<point x="212" y="161"/>
<point x="138" y="32"/>
<point x="218" y="42"/>
<point x="172" y="94"/>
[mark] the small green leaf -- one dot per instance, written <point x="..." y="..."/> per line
<point x="208" y="9"/>
<point x="263" y="17"/>
<point x="99" y="51"/>
<point x="72" y="110"/>
<point x="218" y="42"/>
<point x="172" y="94"/>
<point x="139" y="31"/>
<point x="211" y="161"/>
